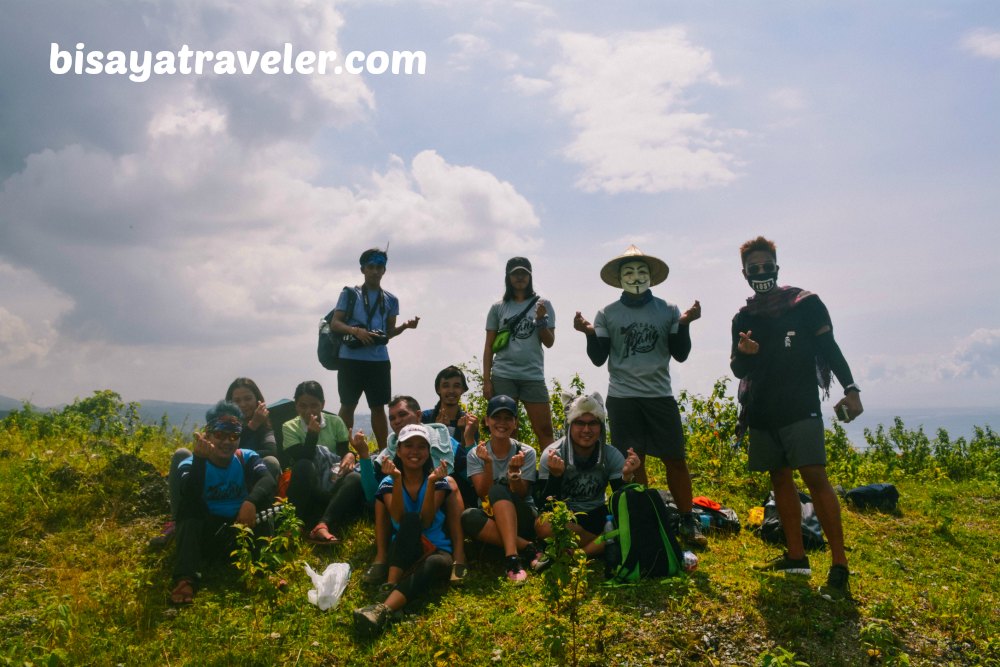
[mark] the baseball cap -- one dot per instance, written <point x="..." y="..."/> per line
<point x="501" y="402"/>
<point x="413" y="430"/>
<point x="518" y="263"/>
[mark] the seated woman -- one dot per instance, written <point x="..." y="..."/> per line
<point x="257" y="436"/>
<point x="257" y="432"/>
<point x="502" y="470"/>
<point x="220" y="485"/>
<point x="463" y="428"/>
<point x="324" y="487"/>
<point x="413" y="493"/>
<point x="578" y="467"/>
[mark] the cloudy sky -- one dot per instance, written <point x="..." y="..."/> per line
<point x="161" y="238"/>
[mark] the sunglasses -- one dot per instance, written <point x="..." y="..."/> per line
<point x="226" y="436"/>
<point x="593" y="423"/>
<point x="766" y="267"/>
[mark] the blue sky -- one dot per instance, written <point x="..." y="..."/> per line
<point x="161" y="238"/>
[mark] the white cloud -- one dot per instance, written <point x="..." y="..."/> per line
<point x="628" y="98"/>
<point x="19" y="342"/>
<point x="974" y="357"/>
<point x="982" y="42"/>
<point x="788" y="99"/>
<point x="527" y="85"/>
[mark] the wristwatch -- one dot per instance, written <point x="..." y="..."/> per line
<point x="851" y="386"/>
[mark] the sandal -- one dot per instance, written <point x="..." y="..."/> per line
<point x="320" y="534"/>
<point x="376" y="574"/>
<point x="183" y="592"/>
<point x="458" y="572"/>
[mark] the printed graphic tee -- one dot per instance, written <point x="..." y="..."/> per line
<point x="639" y="363"/>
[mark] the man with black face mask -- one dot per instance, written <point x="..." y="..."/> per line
<point x="782" y="347"/>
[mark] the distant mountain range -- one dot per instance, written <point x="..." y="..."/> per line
<point x="183" y="416"/>
<point x="957" y="421"/>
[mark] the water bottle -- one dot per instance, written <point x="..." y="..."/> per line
<point x="612" y="550"/>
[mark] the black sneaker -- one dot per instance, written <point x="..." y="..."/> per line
<point x="690" y="531"/>
<point x="786" y="565"/>
<point x="837" y="586"/>
<point x="532" y="556"/>
<point x="371" y="619"/>
<point x="515" y="572"/>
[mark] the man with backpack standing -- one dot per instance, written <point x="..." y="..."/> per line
<point x="368" y="318"/>
<point x="782" y="343"/>
<point x="637" y="335"/>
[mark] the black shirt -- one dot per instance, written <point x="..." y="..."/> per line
<point x="784" y="387"/>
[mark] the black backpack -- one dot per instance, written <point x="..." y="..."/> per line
<point x="882" y="497"/>
<point x="328" y="346"/>
<point x="646" y="537"/>
<point x="772" y="531"/>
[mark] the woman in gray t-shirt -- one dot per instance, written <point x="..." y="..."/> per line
<point x="517" y="369"/>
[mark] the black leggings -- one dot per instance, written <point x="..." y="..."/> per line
<point x="407" y="551"/>
<point x="203" y="538"/>
<point x="312" y="505"/>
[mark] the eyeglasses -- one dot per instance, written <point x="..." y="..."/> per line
<point x="593" y="423"/>
<point x="226" y="436"/>
<point x="766" y="267"/>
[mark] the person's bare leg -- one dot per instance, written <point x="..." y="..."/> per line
<point x="540" y="416"/>
<point x="346" y="413"/>
<point x="380" y="425"/>
<point x="827" y="510"/>
<point x="786" y="499"/>
<point x="453" y="517"/>
<point x="679" y="483"/>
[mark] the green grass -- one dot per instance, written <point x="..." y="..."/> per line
<point x="78" y="585"/>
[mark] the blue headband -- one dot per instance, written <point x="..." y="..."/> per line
<point x="375" y="258"/>
<point x="227" y="424"/>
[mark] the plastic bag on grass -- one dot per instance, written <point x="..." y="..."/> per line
<point x="329" y="586"/>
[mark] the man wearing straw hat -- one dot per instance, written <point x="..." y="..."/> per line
<point x="637" y="335"/>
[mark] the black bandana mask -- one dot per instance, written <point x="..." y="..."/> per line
<point x="763" y="282"/>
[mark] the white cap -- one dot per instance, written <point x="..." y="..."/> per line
<point x="413" y="430"/>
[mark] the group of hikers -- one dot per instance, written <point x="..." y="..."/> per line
<point x="433" y="479"/>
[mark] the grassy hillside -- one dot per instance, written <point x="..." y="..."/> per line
<point x="81" y="491"/>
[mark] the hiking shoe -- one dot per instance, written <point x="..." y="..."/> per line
<point x="532" y="556"/>
<point x="690" y="531"/>
<point x="837" y="587"/>
<point x="543" y="563"/>
<point x="165" y="536"/>
<point x="376" y="574"/>
<point x="786" y="565"/>
<point x="371" y="619"/>
<point x="515" y="572"/>
<point x="458" y="573"/>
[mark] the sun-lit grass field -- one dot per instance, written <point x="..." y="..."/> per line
<point x="82" y="491"/>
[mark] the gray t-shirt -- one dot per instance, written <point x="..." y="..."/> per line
<point x="583" y="490"/>
<point x="529" y="472"/>
<point x="523" y="358"/>
<point x="639" y="364"/>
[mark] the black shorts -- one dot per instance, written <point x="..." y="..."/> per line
<point x="650" y="426"/>
<point x="369" y="377"/>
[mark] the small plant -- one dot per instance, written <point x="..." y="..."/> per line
<point x="779" y="657"/>
<point x="882" y="644"/>
<point x="564" y="584"/>
<point x="269" y="558"/>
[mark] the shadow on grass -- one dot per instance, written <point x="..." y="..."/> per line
<point x="818" y="630"/>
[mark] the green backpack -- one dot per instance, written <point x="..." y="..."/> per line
<point x="646" y="538"/>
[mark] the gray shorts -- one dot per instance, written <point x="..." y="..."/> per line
<point x="801" y="443"/>
<point x="526" y="391"/>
